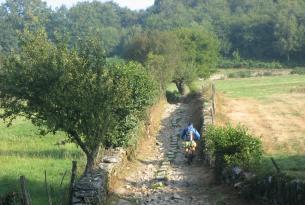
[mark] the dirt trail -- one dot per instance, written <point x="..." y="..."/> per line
<point x="160" y="174"/>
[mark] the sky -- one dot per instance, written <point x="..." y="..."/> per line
<point x="132" y="4"/>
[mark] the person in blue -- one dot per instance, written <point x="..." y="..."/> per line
<point x="190" y="132"/>
<point x="189" y="135"/>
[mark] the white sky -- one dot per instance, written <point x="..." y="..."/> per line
<point x="132" y="4"/>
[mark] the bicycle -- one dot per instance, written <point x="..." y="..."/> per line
<point x="189" y="149"/>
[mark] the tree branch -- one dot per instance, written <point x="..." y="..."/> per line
<point x="79" y="141"/>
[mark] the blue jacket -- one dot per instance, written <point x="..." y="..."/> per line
<point x="190" y="129"/>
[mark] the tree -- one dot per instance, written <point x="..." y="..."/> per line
<point x="96" y="20"/>
<point x="200" y="50"/>
<point x="16" y="15"/>
<point x="158" y="51"/>
<point x="63" y="90"/>
<point x="287" y="33"/>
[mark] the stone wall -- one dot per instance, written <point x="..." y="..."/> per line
<point x="209" y="110"/>
<point x="92" y="189"/>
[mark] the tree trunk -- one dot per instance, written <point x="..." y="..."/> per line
<point x="288" y="57"/>
<point x="91" y="159"/>
<point x="180" y="87"/>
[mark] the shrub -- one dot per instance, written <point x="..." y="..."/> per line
<point x="240" y="74"/>
<point x="267" y="73"/>
<point x="242" y="63"/>
<point x="231" y="75"/>
<point x="244" y="74"/>
<point x="233" y="146"/>
<point x="298" y="70"/>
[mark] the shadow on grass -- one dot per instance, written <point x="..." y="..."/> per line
<point x="10" y="187"/>
<point x="293" y="165"/>
<point x="50" y="153"/>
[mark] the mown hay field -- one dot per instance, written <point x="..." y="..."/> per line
<point x="273" y="108"/>
<point x="24" y="152"/>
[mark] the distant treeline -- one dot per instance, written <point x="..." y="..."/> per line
<point x="271" y="30"/>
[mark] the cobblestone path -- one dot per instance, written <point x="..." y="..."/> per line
<point x="163" y="176"/>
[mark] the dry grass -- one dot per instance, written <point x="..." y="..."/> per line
<point x="279" y="121"/>
<point x="273" y="108"/>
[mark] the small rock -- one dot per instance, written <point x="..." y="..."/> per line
<point x="128" y="186"/>
<point x="176" y="196"/>
<point x="160" y="177"/>
<point x="110" y="160"/>
<point x="238" y="185"/>
<point x="123" y="202"/>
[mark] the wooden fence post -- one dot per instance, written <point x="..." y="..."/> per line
<point x="73" y="176"/>
<point x="212" y="115"/>
<point x="278" y="170"/>
<point x="47" y="188"/>
<point x="213" y="98"/>
<point x="26" y="200"/>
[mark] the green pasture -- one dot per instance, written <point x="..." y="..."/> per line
<point x="260" y="87"/>
<point x="24" y="152"/>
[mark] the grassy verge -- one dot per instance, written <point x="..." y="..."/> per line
<point x="24" y="152"/>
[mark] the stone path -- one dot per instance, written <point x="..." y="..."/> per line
<point x="164" y="177"/>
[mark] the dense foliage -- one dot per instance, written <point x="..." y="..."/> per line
<point x="233" y="146"/>
<point x="75" y="92"/>
<point x="180" y="55"/>
<point x="259" y="30"/>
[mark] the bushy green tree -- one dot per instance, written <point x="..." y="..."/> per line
<point x="16" y="15"/>
<point x="288" y="36"/>
<point x="160" y="52"/>
<point x="200" y="50"/>
<point x="63" y="90"/>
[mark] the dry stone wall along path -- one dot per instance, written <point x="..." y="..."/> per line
<point x="163" y="177"/>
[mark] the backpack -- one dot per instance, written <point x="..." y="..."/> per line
<point x="190" y="135"/>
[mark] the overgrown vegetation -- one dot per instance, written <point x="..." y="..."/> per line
<point x="298" y="70"/>
<point x="233" y="146"/>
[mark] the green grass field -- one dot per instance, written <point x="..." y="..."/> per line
<point x="24" y="152"/>
<point x="260" y="87"/>
<point x="270" y="107"/>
